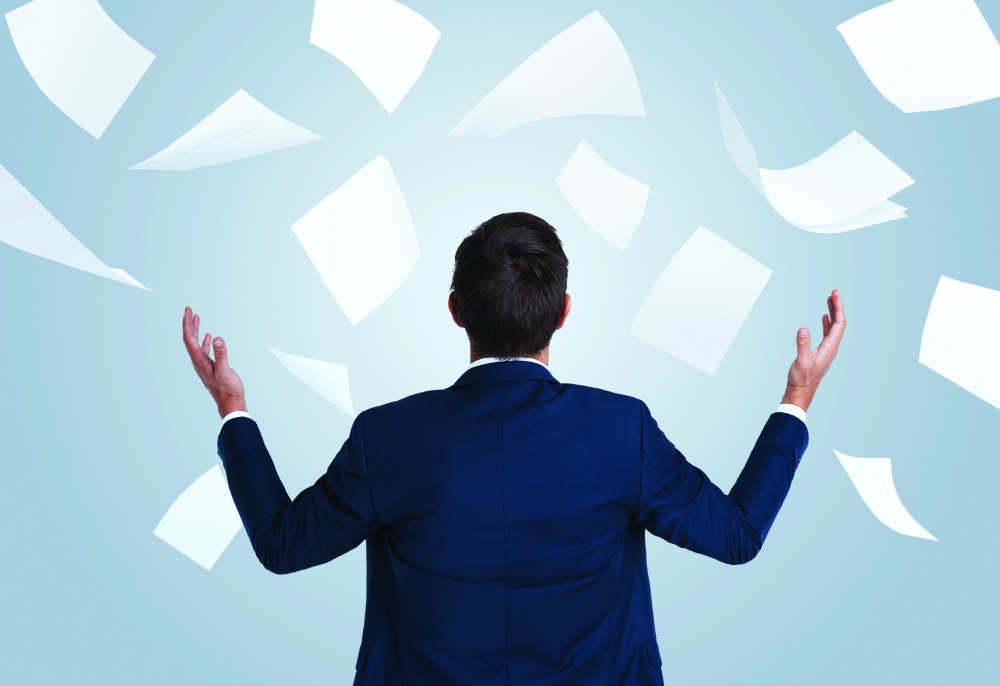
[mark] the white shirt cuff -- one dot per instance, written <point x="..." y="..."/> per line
<point x="792" y="409"/>
<point x="236" y="413"/>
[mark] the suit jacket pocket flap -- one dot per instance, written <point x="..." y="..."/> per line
<point x="653" y="652"/>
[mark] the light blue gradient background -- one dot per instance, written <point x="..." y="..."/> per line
<point x="104" y="422"/>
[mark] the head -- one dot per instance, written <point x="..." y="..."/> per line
<point x="508" y="288"/>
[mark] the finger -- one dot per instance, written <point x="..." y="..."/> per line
<point x="202" y="364"/>
<point x="826" y="324"/>
<point x="221" y="354"/>
<point x="187" y="323"/>
<point x="837" y="313"/>
<point x="204" y="344"/>
<point x="839" y="321"/>
<point x="191" y="339"/>
<point x="192" y="322"/>
<point x="831" y="341"/>
<point x="802" y="341"/>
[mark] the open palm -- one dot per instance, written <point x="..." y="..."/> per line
<point x="221" y="380"/>
<point x="809" y="366"/>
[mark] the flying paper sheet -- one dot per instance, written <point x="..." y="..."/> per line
<point x="609" y="202"/>
<point x="203" y="520"/>
<point x="583" y="70"/>
<point x="26" y="225"/>
<point x="384" y="43"/>
<point x="872" y="477"/>
<point x="329" y="379"/>
<point x="361" y="240"/>
<point x="240" y="127"/>
<point x="842" y="189"/>
<point x="960" y="336"/>
<point x="925" y="55"/>
<point x="80" y="59"/>
<point x="699" y="303"/>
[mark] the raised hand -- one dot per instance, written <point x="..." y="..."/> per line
<point x="810" y="366"/>
<point x="221" y="380"/>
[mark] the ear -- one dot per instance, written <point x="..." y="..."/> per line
<point x="451" y="308"/>
<point x="565" y="311"/>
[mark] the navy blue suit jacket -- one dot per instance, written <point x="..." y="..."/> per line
<point x="505" y="519"/>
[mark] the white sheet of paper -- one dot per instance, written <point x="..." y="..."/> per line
<point x="81" y="60"/>
<point x="925" y="55"/>
<point x="846" y="187"/>
<point x="26" y="225"/>
<point x="583" y="70"/>
<point x="240" y="127"/>
<point x="386" y="44"/>
<point x="960" y="336"/>
<point x="203" y="520"/>
<point x="608" y="201"/>
<point x="361" y="239"/>
<point x="872" y="477"/>
<point x="329" y="379"/>
<point x="700" y="301"/>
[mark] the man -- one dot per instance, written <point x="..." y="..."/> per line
<point x="505" y="516"/>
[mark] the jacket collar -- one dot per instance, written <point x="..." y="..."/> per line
<point x="506" y="370"/>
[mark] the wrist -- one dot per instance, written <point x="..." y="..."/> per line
<point x="799" y="396"/>
<point x="232" y="406"/>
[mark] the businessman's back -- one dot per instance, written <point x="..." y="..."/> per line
<point x="505" y="515"/>
<point x="509" y="552"/>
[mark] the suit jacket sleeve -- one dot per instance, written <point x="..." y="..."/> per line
<point x="325" y="520"/>
<point x="678" y="503"/>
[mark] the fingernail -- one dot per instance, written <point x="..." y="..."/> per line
<point x="218" y="342"/>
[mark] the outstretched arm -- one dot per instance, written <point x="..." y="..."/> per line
<point x="326" y="520"/>
<point x="679" y="503"/>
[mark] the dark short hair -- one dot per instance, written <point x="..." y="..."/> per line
<point x="510" y="284"/>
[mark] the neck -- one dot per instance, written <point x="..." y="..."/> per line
<point x="542" y="356"/>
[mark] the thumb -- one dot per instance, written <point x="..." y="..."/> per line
<point x="221" y="354"/>
<point x="802" y="340"/>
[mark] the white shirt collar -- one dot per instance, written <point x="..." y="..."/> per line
<point x="487" y="360"/>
